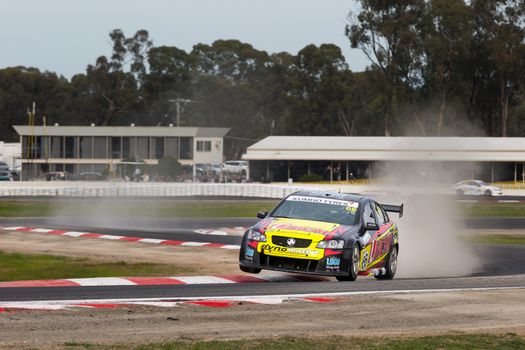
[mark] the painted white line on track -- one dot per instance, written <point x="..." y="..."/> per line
<point x="102" y="281"/>
<point x="231" y="246"/>
<point x="508" y="201"/>
<point x="41" y="230"/>
<point x="111" y="237"/>
<point x="71" y="233"/>
<point x="211" y="232"/>
<point x="202" y="280"/>
<point x="151" y="240"/>
<point x="14" y="228"/>
<point x="467" y="201"/>
<point x="194" y="244"/>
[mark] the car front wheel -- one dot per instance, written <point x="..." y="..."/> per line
<point x="354" y="265"/>
<point x="249" y="269"/>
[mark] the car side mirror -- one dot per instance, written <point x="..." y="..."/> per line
<point x="371" y="226"/>
<point x="262" y="214"/>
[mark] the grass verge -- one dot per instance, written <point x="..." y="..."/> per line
<point x="452" y="342"/>
<point x="17" y="267"/>
<point x="494" y="210"/>
<point x="132" y="208"/>
<point x="498" y="239"/>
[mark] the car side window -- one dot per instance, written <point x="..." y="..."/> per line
<point x="368" y="214"/>
<point x="379" y="215"/>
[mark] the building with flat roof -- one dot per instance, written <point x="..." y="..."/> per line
<point x="78" y="149"/>
<point x="277" y="158"/>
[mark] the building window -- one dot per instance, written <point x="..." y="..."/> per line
<point x="71" y="149"/>
<point x="86" y="147"/>
<point x="142" y="148"/>
<point x="203" y="146"/>
<point x="115" y="148"/>
<point x="159" y="147"/>
<point x="186" y="147"/>
<point x="100" y="147"/>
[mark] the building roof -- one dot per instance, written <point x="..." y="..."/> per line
<point x="153" y="131"/>
<point x="388" y="148"/>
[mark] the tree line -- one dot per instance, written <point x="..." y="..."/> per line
<point x="437" y="68"/>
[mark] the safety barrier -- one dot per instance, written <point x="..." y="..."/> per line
<point x="144" y="190"/>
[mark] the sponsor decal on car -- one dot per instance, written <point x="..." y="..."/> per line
<point x="303" y="226"/>
<point x="249" y="252"/>
<point x="333" y="261"/>
<point x="287" y="251"/>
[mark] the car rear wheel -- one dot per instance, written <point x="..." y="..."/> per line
<point x="459" y="192"/>
<point x="488" y="193"/>
<point x="249" y="269"/>
<point x="391" y="265"/>
<point x="354" y="265"/>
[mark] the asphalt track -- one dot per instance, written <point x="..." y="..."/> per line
<point x="504" y="265"/>
<point x="175" y="292"/>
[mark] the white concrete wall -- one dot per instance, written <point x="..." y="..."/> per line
<point x="215" y="156"/>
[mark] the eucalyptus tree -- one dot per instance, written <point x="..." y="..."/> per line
<point x="388" y="33"/>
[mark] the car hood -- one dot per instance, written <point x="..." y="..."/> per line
<point x="315" y="229"/>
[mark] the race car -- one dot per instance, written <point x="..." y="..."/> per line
<point x="476" y="187"/>
<point x="324" y="233"/>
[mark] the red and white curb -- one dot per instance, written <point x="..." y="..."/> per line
<point x="149" y="281"/>
<point x="121" y="303"/>
<point x="77" y="234"/>
<point x="220" y="301"/>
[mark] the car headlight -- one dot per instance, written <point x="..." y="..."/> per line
<point x="332" y="244"/>
<point x="256" y="236"/>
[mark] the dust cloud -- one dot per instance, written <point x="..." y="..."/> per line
<point x="430" y="238"/>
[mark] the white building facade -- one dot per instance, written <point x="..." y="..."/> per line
<point x="78" y="149"/>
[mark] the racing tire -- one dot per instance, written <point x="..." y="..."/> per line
<point x="354" y="265"/>
<point x="249" y="269"/>
<point x="391" y="265"/>
<point x="488" y="193"/>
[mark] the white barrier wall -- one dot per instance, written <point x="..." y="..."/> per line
<point x="103" y="189"/>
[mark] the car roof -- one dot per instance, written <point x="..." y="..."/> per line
<point x="331" y="195"/>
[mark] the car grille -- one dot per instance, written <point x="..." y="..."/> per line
<point x="288" y="263"/>
<point x="299" y="242"/>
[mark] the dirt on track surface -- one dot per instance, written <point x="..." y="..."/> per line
<point x="363" y="316"/>
<point x="210" y="260"/>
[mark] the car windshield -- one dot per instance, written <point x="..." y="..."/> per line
<point x="318" y="209"/>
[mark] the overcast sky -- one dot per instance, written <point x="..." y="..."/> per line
<point x="64" y="36"/>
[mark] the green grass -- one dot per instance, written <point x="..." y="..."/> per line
<point x="191" y="208"/>
<point x="494" y="210"/>
<point x="453" y="342"/>
<point x="498" y="239"/>
<point x="16" y="267"/>
<point x="133" y="208"/>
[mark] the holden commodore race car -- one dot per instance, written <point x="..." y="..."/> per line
<point x="324" y="233"/>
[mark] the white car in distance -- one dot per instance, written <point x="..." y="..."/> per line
<point x="476" y="188"/>
<point x="235" y="167"/>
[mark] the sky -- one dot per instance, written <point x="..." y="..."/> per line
<point x="64" y="36"/>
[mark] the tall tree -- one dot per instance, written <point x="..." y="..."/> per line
<point x="387" y="32"/>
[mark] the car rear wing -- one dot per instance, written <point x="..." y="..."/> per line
<point x="393" y="208"/>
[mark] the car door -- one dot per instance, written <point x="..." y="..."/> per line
<point x="368" y="236"/>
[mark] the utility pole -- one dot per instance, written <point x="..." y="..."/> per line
<point x="178" y="102"/>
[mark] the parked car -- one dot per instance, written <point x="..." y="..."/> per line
<point x="91" y="176"/>
<point x="5" y="175"/>
<point x="235" y="167"/>
<point x="476" y="188"/>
